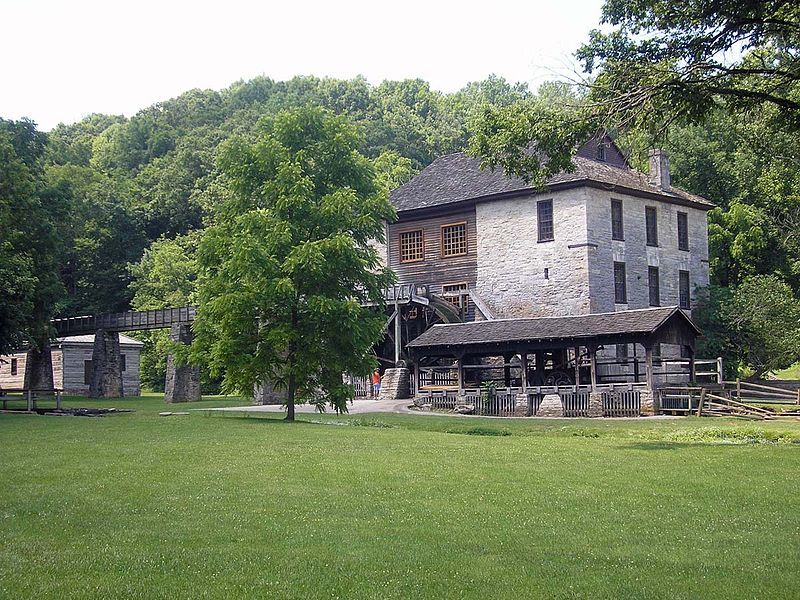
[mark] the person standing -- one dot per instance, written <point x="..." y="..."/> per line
<point x="376" y="382"/>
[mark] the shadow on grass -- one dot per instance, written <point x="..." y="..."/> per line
<point x="660" y="445"/>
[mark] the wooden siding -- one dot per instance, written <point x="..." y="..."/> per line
<point x="7" y="380"/>
<point x="436" y="270"/>
<point x="74" y="357"/>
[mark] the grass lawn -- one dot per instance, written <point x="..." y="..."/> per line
<point x="394" y="506"/>
<point x="792" y="372"/>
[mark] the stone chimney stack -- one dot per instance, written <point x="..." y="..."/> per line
<point x="659" y="169"/>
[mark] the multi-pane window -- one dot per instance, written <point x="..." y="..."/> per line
<point x="601" y="151"/>
<point x="13" y="366"/>
<point x="683" y="231"/>
<point x="622" y="351"/>
<point x="545" y="218"/>
<point x="617" y="232"/>
<point x="620" y="286"/>
<point x="454" y="239"/>
<point x="684" y="300"/>
<point x="412" y="248"/>
<point x="653" y="285"/>
<point x="87" y="372"/>
<point x="457" y="294"/>
<point x="651" y="225"/>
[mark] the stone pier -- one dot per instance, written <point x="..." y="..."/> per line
<point x="395" y="384"/>
<point x="648" y="403"/>
<point x="106" y="379"/>
<point x="595" y="404"/>
<point x="39" y="368"/>
<point x="183" y="381"/>
<point x="551" y="406"/>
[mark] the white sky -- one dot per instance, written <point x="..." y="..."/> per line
<point x="62" y="60"/>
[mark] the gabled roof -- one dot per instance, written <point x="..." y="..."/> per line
<point x="458" y="177"/>
<point x="580" y="327"/>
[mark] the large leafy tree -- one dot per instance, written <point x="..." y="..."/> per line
<point x="29" y="244"/>
<point x="287" y="269"/>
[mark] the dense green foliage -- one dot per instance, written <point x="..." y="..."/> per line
<point x="291" y="289"/>
<point x="30" y="214"/>
<point x="395" y="506"/>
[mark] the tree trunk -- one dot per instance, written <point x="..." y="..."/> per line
<point x="290" y="399"/>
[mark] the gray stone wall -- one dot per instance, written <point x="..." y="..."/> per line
<point x="637" y="256"/>
<point x="512" y="262"/>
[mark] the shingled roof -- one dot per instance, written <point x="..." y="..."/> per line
<point x="580" y="327"/>
<point x="458" y="177"/>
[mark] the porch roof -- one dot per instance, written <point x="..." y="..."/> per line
<point x="650" y="325"/>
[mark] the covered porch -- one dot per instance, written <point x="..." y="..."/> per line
<point x="521" y="367"/>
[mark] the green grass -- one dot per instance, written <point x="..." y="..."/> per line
<point x="792" y="372"/>
<point x="394" y="506"/>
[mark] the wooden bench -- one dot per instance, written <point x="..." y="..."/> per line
<point x="30" y="396"/>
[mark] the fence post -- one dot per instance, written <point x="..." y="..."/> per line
<point x="798" y="396"/>
<point x="720" y="378"/>
<point x="738" y="389"/>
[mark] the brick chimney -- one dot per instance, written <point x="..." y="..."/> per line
<point x="659" y="169"/>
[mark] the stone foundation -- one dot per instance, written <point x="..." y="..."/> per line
<point x="39" y="369"/>
<point x="266" y="393"/>
<point x="395" y="384"/>
<point x="106" y="381"/>
<point x="648" y="403"/>
<point x="521" y="406"/>
<point x="551" y="406"/>
<point x="595" y="404"/>
<point x="183" y="381"/>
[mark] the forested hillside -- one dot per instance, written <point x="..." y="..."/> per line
<point x="115" y="205"/>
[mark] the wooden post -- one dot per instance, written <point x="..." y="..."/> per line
<point x="577" y="366"/>
<point x="700" y="405"/>
<point x="738" y="390"/>
<point x="30" y="401"/>
<point x="507" y="369"/>
<point x="593" y="366"/>
<point x="397" y="344"/>
<point x="523" y="359"/>
<point x="636" y="374"/>
<point x="460" y="373"/>
<point x="692" y="366"/>
<point x="720" y="376"/>
<point x="648" y="363"/>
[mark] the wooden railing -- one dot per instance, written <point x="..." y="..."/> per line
<point x="757" y="393"/>
<point x="125" y="321"/>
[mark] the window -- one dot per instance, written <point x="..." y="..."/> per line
<point x="683" y="231"/>
<point x="87" y="372"/>
<point x="13" y="366"/>
<point x="545" y="218"/>
<point x="622" y="351"/>
<point x="653" y="284"/>
<point x="457" y="294"/>
<point x="684" y="300"/>
<point x="620" y="288"/>
<point x="686" y="352"/>
<point x="122" y="362"/>
<point x="411" y="247"/>
<point x="601" y="151"/>
<point x="657" y="351"/>
<point x="616" y="220"/>
<point x="454" y="239"/>
<point x="651" y="224"/>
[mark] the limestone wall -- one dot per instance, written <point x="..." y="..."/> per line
<point x="637" y="256"/>
<point x="512" y="262"/>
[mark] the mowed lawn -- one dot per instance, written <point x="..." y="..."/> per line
<point x="393" y="506"/>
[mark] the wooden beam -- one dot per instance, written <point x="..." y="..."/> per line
<point x="397" y="334"/>
<point x="482" y="306"/>
<point x="523" y="359"/>
<point x="460" y="373"/>
<point x="593" y="366"/>
<point x="648" y="362"/>
<point x="577" y="351"/>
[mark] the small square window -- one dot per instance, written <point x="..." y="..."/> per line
<point x="412" y="248"/>
<point x="122" y="362"/>
<point x="545" y="219"/>
<point x="13" y="366"/>
<point x="457" y="294"/>
<point x="454" y="239"/>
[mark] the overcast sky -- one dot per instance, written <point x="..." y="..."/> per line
<point x="65" y="59"/>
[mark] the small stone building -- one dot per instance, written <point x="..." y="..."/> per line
<point x="72" y="365"/>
